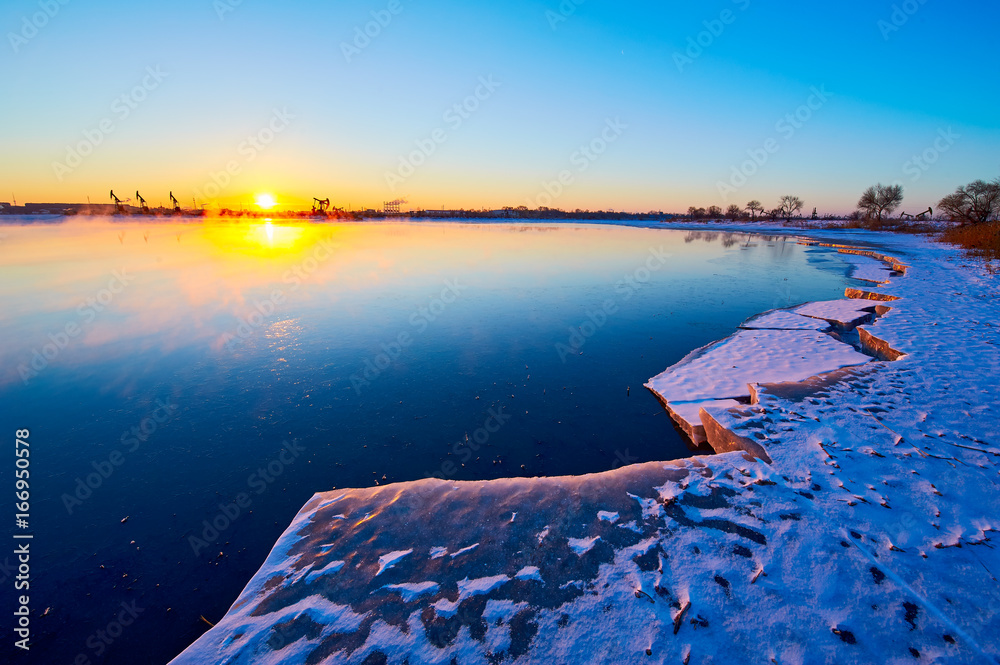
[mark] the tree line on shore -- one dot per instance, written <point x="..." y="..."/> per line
<point x="788" y="207"/>
<point x="975" y="203"/>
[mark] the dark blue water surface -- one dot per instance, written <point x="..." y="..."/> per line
<point x="386" y="353"/>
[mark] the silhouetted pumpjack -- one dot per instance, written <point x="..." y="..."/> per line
<point x="920" y="217"/>
<point x="119" y="208"/>
<point x="142" y="204"/>
<point x="177" y="205"/>
<point x="320" y="206"/>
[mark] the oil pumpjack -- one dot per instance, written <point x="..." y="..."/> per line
<point x="919" y="217"/>
<point x="119" y="207"/>
<point x="143" y="208"/>
<point x="320" y="207"/>
<point x="176" y="204"/>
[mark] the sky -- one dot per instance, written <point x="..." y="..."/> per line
<point x="581" y="104"/>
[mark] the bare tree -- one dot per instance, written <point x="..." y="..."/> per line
<point x="734" y="212"/>
<point x="754" y="207"/>
<point x="879" y="201"/>
<point x="714" y="212"/>
<point x="975" y="203"/>
<point x="790" y="205"/>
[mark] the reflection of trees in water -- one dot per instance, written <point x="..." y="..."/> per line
<point x="538" y="228"/>
<point x="704" y="236"/>
<point x="778" y="246"/>
<point x="509" y="227"/>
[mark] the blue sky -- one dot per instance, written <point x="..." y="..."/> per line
<point x="921" y="82"/>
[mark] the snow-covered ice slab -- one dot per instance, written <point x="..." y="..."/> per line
<point x="511" y="594"/>
<point x="867" y="268"/>
<point x="784" y="320"/>
<point x="718" y="376"/>
<point x="725" y="369"/>
<point x="845" y="313"/>
<point x="687" y="415"/>
<point x="894" y="263"/>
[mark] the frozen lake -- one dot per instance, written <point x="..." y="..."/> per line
<point x="179" y="374"/>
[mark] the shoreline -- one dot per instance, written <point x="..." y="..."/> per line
<point x="768" y="337"/>
<point x="654" y="562"/>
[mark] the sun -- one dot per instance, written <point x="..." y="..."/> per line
<point x="265" y="201"/>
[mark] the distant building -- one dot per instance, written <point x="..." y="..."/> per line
<point x="49" y="208"/>
<point x="59" y="209"/>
